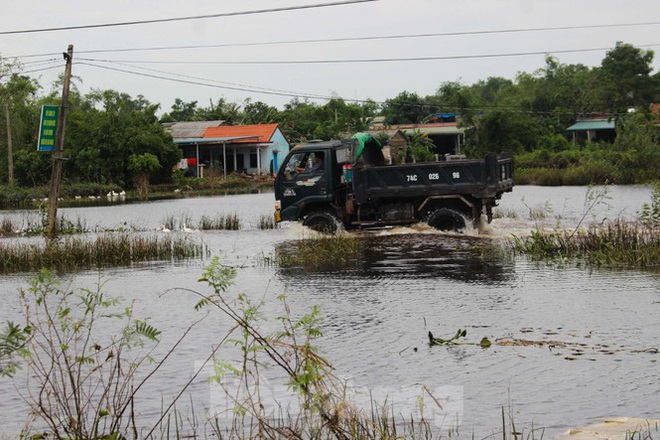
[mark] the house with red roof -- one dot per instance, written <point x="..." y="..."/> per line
<point x="254" y="149"/>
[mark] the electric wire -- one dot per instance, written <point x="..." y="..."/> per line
<point x="208" y="83"/>
<point x="345" y="39"/>
<point x="41" y="69"/>
<point x="187" y="18"/>
<point x="196" y="78"/>
<point x="366" y="61"/>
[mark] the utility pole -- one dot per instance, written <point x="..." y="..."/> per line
<point x="10" y="153"/>
<point x="56" y="174"/>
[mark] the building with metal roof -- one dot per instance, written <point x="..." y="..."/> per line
<point x="190" y="129"/>
<point x="252" y="149"/>
<point x="593" y="130"/>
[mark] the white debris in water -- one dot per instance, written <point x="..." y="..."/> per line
<point x="616" y="428"/>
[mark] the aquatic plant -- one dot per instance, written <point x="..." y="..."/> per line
<point x="614" y="244"/>
<point x="460" y="333"/>
<point x="10" y="227"/>
<point x="110" y="249"/>
<point x="327" y="252"/>
<point x="219" y="222"/>
<point x="650" y="213"/>
<point x="267" y="221"/>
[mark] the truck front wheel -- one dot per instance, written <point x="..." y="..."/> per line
<point x="325" y="222"/>
<point x="445" y="219"/>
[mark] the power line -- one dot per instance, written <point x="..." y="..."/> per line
<point x="367" y="60"/>
<point x="350" y="39"/>
<point x="193" y="17"/>
<point x="42" y="69"/>
<point x="208" y="83"/>
<point x="222" y="83"/>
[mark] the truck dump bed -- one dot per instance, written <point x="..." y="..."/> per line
<point x="482" y="179"/>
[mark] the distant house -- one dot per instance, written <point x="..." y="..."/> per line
<point x="597" y="129"/>
<point x="190" y="129"/>
<point x="252" y="149"/>
<point x="446" y="136"/>
<point x="397" y="140"/>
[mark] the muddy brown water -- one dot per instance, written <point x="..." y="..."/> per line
<point x="570" y="345"/>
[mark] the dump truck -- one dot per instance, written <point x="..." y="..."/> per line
<point x="349" y="184"/>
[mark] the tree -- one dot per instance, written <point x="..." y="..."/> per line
<point x="106" y="129"/>
<point x="502" y="130"/>
<point x="405" y="108"/>
<point x="453" y="97"/>
<point x="17" y="114"/>
<point x="230" y="112"/>
<point x="182" y="111"/>
<point x="625" y="74"/>
<point x="143" y="165"/>
<point x="259" y="112"/>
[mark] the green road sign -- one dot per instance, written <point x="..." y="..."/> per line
<point x="48" y="127"/>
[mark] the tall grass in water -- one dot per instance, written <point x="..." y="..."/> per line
<point x="228" y="222"/>
<point x="267" y="221"/>
<point x="615" y="244"/>
<point x="105" y="251"/>
<point x="327" y="252"/>
<point x="30" y="227"/>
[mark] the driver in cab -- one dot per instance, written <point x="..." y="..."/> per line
<point x="316" y="165"/>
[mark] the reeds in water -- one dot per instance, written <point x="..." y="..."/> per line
<point x="106" y="250"/>
<point x="30" y="227"/>
<point x="615" y="244"/>
<point x="267" y="222"/>
<point x="206" y="223"/>
<point x="341" y="251"/>
<point x="228" y="222"/>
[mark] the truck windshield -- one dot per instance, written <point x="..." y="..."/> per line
<point x="304" y="162"/>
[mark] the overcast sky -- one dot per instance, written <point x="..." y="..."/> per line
<point x="471" y="54"/>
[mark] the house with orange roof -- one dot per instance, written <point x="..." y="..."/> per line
<point x="254" y="149"/>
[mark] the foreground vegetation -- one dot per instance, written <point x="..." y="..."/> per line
<point x="85" y="383"/>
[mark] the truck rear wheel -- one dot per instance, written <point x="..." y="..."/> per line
<point x="325" y="222"/>
<point x="445" y="219"/>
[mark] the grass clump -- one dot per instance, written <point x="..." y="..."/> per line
<point x="33" y="227"/>
<point x="106" y="250"/>
<point x="327" y="252"/>
<point x="229" y="222"/>
<point x="615" y="244"/>
<point x="267" y="221"/>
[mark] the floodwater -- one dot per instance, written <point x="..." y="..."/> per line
<point x="593" y="333"/>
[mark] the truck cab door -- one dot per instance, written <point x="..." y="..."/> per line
<point x="304" y="179"/>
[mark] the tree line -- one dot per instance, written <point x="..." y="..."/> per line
<point x="114" y="138"/>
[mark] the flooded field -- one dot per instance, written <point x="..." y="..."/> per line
<point x="570" y="345"/>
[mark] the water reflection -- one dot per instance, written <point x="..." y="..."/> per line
<point x="416" y="256"/>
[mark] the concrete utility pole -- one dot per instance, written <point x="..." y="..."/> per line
<point x="56" y="174"/>
<point x="10" y="152"/>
